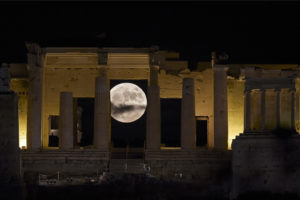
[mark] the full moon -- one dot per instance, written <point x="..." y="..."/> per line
<point x="128" y="102"/>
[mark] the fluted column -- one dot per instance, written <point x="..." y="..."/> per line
<point x="153" y="134"/>
<point x="263" y="109"/>
<point x="220" y="107"/>
<point x="188" y="121"/>
<point x="292" y="109"/>
<point x="66" y="121"/>
<point x="277" y="108"/>
<point x="101" y="113"/>
<point x="247" y="111"/>
<point x="34" y="114"/>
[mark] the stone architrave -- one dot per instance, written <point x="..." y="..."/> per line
<point x="188" y="120"/>
<point x="35" y="69"/>
<point x="153" y="137"/>
<point x="220" y="107"/>
<point x="66" y="121"/>
<point x="102" y="111"/>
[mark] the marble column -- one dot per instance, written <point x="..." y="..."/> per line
<point x="263" y="109"/>
<point x="153" y="134"/>
<point x="292" y="109"/>
<point x="66" y="121"/>
<point x="34" y="114"/>
<point x="188" y="121"/>
<point x="101" y="138"/>
<point x="247" y="111"/>
<point x="220" y="107"/>
<point x="277" y="107"/>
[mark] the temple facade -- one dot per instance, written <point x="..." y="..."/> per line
<point x="216" y="103"/>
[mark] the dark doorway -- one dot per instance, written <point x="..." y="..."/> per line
<point x="53" y="134"/>
<point x="85" y="125"/>
<point x="201" y="131"/>
<point x="170" y="122"/>
<point x="132" y="134"/>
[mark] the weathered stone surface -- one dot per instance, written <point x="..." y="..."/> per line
<point x="220" y="107"/>
<point x="66" y="121"/>
<point x="72" y="162"/>
<point x="9" y="139"/>
<point x="4" y="79"/>
<point x="206" y="167"/>
<point x="188" y="121"/>
<point x="101" y="138"/>
<point x="266" y="162"/>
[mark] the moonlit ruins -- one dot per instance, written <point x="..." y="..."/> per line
<point x="232" y="128"/>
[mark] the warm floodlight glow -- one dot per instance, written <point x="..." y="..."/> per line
<point x="128" y="102"/>
<point x="22" y="143"/>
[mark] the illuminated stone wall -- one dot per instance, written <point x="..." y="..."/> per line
<point x="20" y="87"/>
<point x="235" y="89"/>
<point x="65" y="74"/>
<point x="76" y="72"/>
<point x="171" y="87"/>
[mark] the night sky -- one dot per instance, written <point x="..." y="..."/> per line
<point x="249" y="32"/>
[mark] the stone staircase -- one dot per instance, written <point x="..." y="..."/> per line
<point x="126" y="166"/>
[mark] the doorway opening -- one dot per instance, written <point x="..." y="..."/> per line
<point x="201" y="131"/>
<point x="170" y="122"/>
<point x="83" y="121"/>
<point x="53" y="133"/>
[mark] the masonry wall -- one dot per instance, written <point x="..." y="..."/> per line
<point x="67" y="163"/>
<point x="9" y="139"/>
<point x="206" y="168"/>
<point x="266" y="162"/>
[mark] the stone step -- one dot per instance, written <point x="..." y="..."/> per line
<point x="134" y="166"/>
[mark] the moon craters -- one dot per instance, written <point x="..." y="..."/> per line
<point x="128" y="102"/>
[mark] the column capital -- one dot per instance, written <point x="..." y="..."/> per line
<point x="220" y="67"/>
<point x="103" y="71"/>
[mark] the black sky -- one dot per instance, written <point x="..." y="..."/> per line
<point x="250" y="32"/>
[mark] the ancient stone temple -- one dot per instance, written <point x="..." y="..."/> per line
<point x="233" y="127"/>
